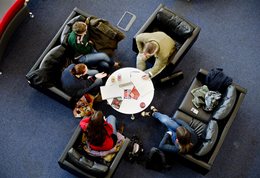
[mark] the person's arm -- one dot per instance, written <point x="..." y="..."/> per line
<point x="166" y="146"/>
<point x="140" y="41"/>
<point x="182" y="123"/>
<point x="158" y="66"/>
<point x="140" y="62"/>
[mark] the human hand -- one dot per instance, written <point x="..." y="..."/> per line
<point x="101" y="75"/>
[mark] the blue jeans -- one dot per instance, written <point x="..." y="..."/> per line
<point x="112" y="120"/>
<point x="172" y="125"/>
<point x="98" y="60"/>
<point x="94" y="86"/>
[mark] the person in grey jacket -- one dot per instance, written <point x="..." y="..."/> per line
<point x="157" y="44"/>
<point x="77" y="80"/>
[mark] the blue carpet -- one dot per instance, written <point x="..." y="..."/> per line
<point x="35" y="128"/>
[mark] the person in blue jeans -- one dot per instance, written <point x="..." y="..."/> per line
<point x="99" y="61"/>
<point x="180" y="137"/>
<point x="84" y="48"/>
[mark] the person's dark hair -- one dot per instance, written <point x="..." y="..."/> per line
<point x="78" y="69"/>
<point x="96" y="132"/>
<point x="184" y="139"/>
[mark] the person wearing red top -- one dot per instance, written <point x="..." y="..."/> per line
<point x="100" y="131"/>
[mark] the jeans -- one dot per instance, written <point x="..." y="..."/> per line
<point x="172" y="125"/>
<point x="94" y="87"/>
<point x="98" y="60"/>
<point x="112" y="120"/>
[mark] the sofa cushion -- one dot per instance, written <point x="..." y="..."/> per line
<point x="227" y="103"/>
<point x="210" y="139"/>
<point x="175" y="25"/>
<point x="188" y="107"/>
<point x="197" y="125"/>
<point x="49" y="72"/>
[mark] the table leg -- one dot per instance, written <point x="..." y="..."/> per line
<point x="133" y="117"/>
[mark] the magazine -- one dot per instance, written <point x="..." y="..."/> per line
<point x="134" y="93"/>
<point x="116" y="103"/>
<point x="127" y="93"/>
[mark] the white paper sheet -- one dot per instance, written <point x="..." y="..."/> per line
<point x="111" y="92"/>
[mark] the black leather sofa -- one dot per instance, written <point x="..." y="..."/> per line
<point x="82" y="165"/>
<point x="183" y="31"/>
<point x="211" y="127"/>
<point x="45" y="74"/>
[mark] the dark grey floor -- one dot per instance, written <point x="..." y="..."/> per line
<point x="35" y="128"/>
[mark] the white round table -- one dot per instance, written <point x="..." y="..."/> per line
<point x="131" y="77"/>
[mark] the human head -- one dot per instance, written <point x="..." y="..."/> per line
<point x="79" y="70"/>
<point x="184" y="139"/>
<point x="97" y="118"/>
<point x="149" y="49"/>
<point x="96" y="132"/>
<point x="79" y="27"/>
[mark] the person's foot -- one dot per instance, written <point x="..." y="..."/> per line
<point x="121" y="128"/>
<point x="117" y="65"/>
<point x="153" y="109"/>
<point x="169" y="132"/>
<point x="98" y="97"/>
<point x="145" y="114"/>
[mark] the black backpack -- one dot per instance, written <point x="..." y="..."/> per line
<point x="134" y="150"/>
<point x="156" y="160"/>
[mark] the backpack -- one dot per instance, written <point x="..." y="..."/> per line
<point x="134" y="150"/>
<point x="156" y="160"/>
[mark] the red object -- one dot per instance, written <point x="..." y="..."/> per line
<point x="134" y="93"/>
<point x="108" y="143"/>
<point x="142" y="104"/>
<point x="10" y="13"/>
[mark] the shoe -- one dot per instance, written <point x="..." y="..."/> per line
<point x="117" y="65"/>
<point x="98" y="98"/>
<point x="121" y="128"/>
<point x="153" y="109"/>
<point x="169" y="132"/>
<point x="145" y="114"/>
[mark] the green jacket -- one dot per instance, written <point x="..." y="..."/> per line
<point x="84" y="48"/>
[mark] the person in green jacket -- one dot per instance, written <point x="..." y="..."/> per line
<point x="79" y="40"/>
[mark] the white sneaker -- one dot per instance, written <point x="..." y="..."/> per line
<point x="169" y="132"/>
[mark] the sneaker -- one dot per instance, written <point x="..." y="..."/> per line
<point x="169" y="132"/>
<point x="117" y="65"/>
<point x="98" y="98"/>
<point x="145" y="114"/>
<point x="121" y="128"/>
<point x="153" y="109"/>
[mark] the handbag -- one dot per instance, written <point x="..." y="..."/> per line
<point x="84" y="106"/>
